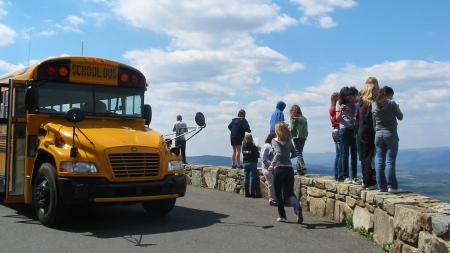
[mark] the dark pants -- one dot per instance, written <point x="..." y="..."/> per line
<point x="366" y="151"/>
<point x="182" y="145"/>
<point x="284" y="178"/>
<point x="250" y="179"/>
<point x="298" y="145"/>
<point x="348" y="145"/>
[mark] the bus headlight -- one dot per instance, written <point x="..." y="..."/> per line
<point x="78" y="167"/>
<point x="175" y="165"/>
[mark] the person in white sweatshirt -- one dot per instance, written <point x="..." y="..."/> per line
<point x="267" y="156"/>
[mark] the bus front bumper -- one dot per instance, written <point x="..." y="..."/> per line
<point x="99" y="190"/>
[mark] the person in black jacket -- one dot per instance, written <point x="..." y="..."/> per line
<point x="251" y="155"/>
<point x="366" y="132"/>
<point x="238" y="126"/>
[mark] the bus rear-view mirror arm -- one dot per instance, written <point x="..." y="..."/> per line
<point x="74" y="116"/>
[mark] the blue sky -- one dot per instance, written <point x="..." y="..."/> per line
<point x="218" y="56"/>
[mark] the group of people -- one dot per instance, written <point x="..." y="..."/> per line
<point x="365" y="123"/>
<point x="283" y="142"/>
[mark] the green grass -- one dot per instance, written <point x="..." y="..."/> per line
<point x="362" y="231"/>
<point x="349" y="222"/>
<point x="387" y="247"/>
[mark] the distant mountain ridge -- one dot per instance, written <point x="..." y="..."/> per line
<point x="431" y="158"/>
<point x="425" y="171"/>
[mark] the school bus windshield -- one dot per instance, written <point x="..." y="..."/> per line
<point x="57" y="98"/>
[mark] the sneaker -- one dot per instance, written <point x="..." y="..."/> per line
<point x="382" y="190"/>
<point x="233" y="166"/>
<point x="348" y="181"/>
<point x="279" y="219"/>
<point x="240" y="167"/>
<point x="392" y="190"/>
<point x="372" y="187"/>
<point x="273" y="203"/>
<point x="356" y="180"/>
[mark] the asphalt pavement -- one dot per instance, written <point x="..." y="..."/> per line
<point x="203" y="221"/>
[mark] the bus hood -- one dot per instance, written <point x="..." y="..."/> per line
<point x="107" y="134"/>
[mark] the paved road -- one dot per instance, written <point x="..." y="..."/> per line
<point x="203" y="221"/>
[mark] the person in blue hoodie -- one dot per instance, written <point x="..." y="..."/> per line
<point x="277" y="116"/>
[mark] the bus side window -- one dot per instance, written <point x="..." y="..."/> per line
<point x="20" y="109"/>
<point x="4" y="103"/>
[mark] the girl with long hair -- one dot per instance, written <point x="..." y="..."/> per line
<point x="345" y="113"/>
<point x="299" y="133"/>
<point x="283" y="172"/>
<point x="366" y="132"/>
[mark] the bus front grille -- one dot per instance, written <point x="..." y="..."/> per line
<point x="135" y="165"/>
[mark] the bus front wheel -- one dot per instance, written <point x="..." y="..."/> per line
<point x="47" y="205"/>
<point x="159" y="207"/>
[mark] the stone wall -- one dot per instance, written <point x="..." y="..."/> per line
<point x="408" y="222"/>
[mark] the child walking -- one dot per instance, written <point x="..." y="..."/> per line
<point x="283" y="172"/>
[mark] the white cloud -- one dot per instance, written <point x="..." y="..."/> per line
<point x="71" y="23"/>
<point x="99" y="17"/>
<point x="47" y="33"/>
<point x="422" y="88"/>
<point x="327" y="22"/>
<point x="3" y="11"/>
<point x="7" y="35"/>
<point x="318" y="10"/>
<point x="6" y="67"/>
<point x="206" y="17"/>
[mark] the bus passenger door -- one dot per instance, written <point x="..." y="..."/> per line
<point x="3" y="133"/>
<point x="16" y="144"/>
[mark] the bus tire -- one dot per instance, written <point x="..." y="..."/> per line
<point x="159" y="207"/>
<point x="46" y="202"/>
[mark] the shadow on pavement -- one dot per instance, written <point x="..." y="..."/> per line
<point x="322" y="225"/>
<point x="130" y="222"/>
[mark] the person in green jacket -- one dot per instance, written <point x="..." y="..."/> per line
<point x="299" y="132"/>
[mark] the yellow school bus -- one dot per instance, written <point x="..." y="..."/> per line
<point x="74" y="131"/>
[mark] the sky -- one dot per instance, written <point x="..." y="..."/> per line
<point x="218" y="56"/>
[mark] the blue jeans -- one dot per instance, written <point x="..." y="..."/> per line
<point x="386" y="145"/>
<point x="347" y="147"/>
<point x="335" y="135"/>
<point x="250" y="179"/>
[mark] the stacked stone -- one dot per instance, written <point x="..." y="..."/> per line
<point x="407" y="221"/>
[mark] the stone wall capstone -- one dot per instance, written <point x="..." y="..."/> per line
<point x="409" y="222"/>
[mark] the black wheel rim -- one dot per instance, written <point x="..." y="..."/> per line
<point x="42" y="195"/>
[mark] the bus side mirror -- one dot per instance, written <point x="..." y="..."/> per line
<point x="74" y="115"/>
<point x="200" y="119"/>
<point x="147" y="114"/>
<point x="31" y="99"/>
